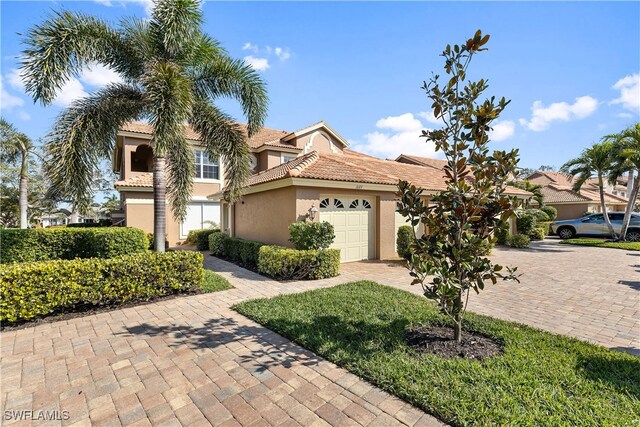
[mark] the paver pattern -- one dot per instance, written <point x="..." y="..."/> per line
<point x="584" y="292"/>
<point x="189" y="361"/>
<point x="194" y="361"/>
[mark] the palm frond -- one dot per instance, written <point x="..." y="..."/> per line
<point x="223" y="138"/>
<point x="83" y="134"/>
<point x="180" y="168"/>
<point x="175" y="23"/>
<point x="225" y="77"/>
<point x="59" y="47"/>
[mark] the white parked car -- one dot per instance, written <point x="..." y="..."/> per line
<point x="594" y="225"/>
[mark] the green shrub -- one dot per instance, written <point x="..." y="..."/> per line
<point x="311" y="235"/>
<point x="404" y="240"/>
<point x="546" y="226"/>
<point x="243" y="251"/>
<point x="217" y="244"/>
<point x="33" y="289"/>
<point x="85" y="225"/>
<point x="539" y="214"/>
<point x="43" y="244"/>
<point x="551" y="212"/>
<point x="519" y="241"/>
<point x="285" y="263"/>
<point x="151" y="243"/>
<point x="525" y="222"/>
<point x="537" y="233"/>
<point x="200" y="238"/>
<point x="502" y="236"/>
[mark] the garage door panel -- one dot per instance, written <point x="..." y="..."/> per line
<point x="353" y="226"/>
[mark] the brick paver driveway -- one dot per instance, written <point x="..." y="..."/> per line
<point x="186" y="361"/>
<point x="193" y="361"/>
<point x="585" y="292"/>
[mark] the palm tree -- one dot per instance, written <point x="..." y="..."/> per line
<point x="597" y="160"/>
<point x="14" y="145"/>
<point x="534" y="189"/>
<point x="626" y="155"/>
<point x="172" y="74"/>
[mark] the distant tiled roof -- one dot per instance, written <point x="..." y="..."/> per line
<point x="558" y="187"/>
<point x="145" y="179"/>
<point x="423" y="161"/>
<point x="265" y="136"/>
<point x="356" y="167"/>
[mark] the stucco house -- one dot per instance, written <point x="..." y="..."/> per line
<point x="309" y="174"/>
<point x="557" y="191"/>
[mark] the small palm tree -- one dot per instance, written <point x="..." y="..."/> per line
<point x="626" y="158"/>
<point x="534" y="189"/>
<point x="16" y="145"/>
<point x="595" y="160"/>
<point x="172" y="73"/>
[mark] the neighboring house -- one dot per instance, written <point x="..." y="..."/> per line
<point x="133" y="160"/>
<point x="64" y="216"/>
<point x="353" y="191"/>
<point x="557" y="192"/>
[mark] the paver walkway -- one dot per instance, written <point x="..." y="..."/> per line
<point x="189" y="361"/>
<point x="193" y="361"/>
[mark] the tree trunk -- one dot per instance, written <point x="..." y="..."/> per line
<point x="633" y="195"/>
<point x="457" y="319"/>
<point x="159" y="203"/>
<point x="23" y="186"/>
<point x="604" y="209"/>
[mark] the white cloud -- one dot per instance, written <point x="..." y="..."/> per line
<point x="260" y="64"/>
<point x="15" y="79"/>
<point x="282" y="53"/>
<point x="104" y="2"/>
<point x="71" y="91"/>
<point x="629" y="88"/>
<point x="502" y="130"/>
<point x="403" y="136"/>
<point x="542" y="116"/>
<point x="624" y="115"/>
<point x="431" y="118"/>
<point x="99" y="75"/>
<point x="146" y="4"/>
<point x="250" y="46"/>
<point x="401" y="123"/>
<point x="8" y="101"/>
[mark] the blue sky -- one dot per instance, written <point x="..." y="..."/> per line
<point x="571" y="69"/>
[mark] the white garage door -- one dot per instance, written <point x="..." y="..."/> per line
<point x="353" y="222"/>
<point x="200" y="215"/>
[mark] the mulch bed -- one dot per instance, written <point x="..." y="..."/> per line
<point x="439" y="340"/>
<point x="87" y="310"/>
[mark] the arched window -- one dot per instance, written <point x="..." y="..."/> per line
<point x="338" y="204"/>
<point x="142" y="159"/>
<point x="366" y="204"/>
<point x="324" y="203"/>
<point x="354" y="204"/>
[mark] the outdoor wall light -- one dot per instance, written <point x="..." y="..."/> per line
<point x="312" y="212"/>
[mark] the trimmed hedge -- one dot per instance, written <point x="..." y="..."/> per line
<point x="33" y="289"/>
<point x="235" y="249"/>
<point x="43" y="244"/>
<point x="537" y="233"/>
<point x="551" y="212"/>
<point x="217" y="243"/>
<point x="405" y="238"/>
<point x="311" y="235"/>
<point x="546" y="226"/>
<point x="200" y="238"/>
<point x="285" y="263"/>
<point x="518" y="241"/>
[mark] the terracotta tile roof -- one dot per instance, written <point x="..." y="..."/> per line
<point x="358" y="167"/>
<point x="558" y="187"/>
<point x="423" y="161"/>
<point x="265" y="136"/>
<point x="145" y="179"/>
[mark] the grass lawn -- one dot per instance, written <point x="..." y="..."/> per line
<point x="584" y="241"/>
<point x="541" y="379"/>
<point x="214" y="282"/>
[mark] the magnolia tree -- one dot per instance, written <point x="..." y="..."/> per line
<point x="450" y="259"/>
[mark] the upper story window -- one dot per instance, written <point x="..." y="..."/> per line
<point x="206" y="168"/>
<point x="284" y="158"/>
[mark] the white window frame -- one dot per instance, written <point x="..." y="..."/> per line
<point x="200" y="167"/>
<point x="284" y="156"/>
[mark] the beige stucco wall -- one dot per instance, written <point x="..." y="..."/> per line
<point x="319" y="141"/>
<point x="571" y="211"/>
<point x="138" y="211"/>
<point x="266" y="216"/>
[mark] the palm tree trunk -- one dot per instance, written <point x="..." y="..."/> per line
<point x="159" y="203"/>
<point x="633" y="195"/>
<point x="604" y="209"/>
<point x="23" y="187"/>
